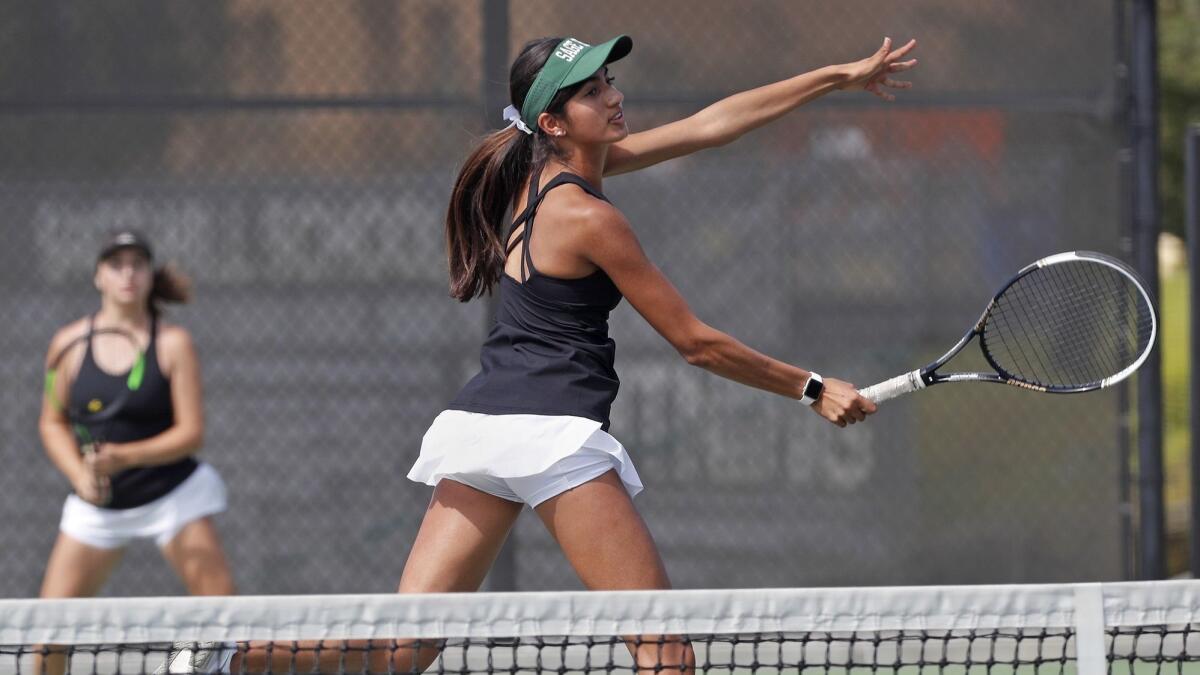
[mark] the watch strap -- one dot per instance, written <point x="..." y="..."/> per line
<point x="812" y="389"/>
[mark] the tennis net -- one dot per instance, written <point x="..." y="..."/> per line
<point x="1142" y="627"/>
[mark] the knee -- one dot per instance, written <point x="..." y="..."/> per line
<point x="213" y="582"/>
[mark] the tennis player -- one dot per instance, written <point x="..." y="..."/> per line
<point x="144" y="482"/>
<point x="532" y="426"/>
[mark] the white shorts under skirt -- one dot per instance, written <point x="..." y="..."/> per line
<point x="202" y="494"/>
<point x="521" y="458"/>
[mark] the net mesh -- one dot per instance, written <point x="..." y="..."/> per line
<point x="1069" y="325"/>
<point x="1085" y="628"/>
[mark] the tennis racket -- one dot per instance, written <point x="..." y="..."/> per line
<point x="1068" y="323"/>
<point x="117" y="353"/>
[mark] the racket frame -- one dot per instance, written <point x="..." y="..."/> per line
<point x="80" y="419"/>
<point x="133" y="380"/>
<point x="928" y="375"/>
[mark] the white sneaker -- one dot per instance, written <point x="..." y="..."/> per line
<point x="197" y="657"/>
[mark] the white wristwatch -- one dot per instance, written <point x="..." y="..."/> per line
<point x="812" y="389"/>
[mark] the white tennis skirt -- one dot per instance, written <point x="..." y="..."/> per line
<point x="521" y="458"/>
<point x="202" y="494"/>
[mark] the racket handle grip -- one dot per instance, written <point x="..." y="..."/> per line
<point x="889" y="389"/>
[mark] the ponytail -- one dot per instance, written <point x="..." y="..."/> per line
<point x="485" y="188"/>
<point x="490" y="179"/>
<point x="170" y="285"/>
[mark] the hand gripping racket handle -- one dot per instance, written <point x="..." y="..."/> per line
<point x="889" y="389"/>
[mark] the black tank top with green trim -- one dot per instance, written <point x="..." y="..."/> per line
<point x="147" y="413"/>
<point x="548" y="352"/>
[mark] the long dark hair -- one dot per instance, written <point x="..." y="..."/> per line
<point x="488" y="182"/>
<point x="170" y="285"/>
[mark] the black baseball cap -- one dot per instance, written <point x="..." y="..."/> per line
<point x="125" y="239"/>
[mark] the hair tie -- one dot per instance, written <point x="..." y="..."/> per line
<point x="514" y="118"/>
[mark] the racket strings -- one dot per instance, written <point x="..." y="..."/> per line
<point x="1070" y="324"/>
<point x="1083" y="351"/>
<point x="1019" y="346"/>
<point x="1028" y="325"/>
<point x="114" y="353"/>
<point x="1115" y="314"/>
<point x="64" y="368"/>
<point x="1076" y="342"/>
<point x="1060" y="292"/>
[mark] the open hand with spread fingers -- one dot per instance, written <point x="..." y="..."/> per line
<point x="873" y="73"/>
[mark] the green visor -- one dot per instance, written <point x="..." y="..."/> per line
<point x="570" y="63"/>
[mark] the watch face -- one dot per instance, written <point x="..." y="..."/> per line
<point x="813" y="388"/>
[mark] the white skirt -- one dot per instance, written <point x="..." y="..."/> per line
<point x="202" y="494"/>
<point x="521" y="458"/>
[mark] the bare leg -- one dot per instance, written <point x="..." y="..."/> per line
<point x="74" y="570"/>
<point x="609" y="546"/>
<point x="196" y="555"/>
<point x="460" y="536"/>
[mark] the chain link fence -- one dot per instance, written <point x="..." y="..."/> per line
<point x="296" y="159"/>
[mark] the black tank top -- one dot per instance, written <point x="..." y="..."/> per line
<point x="148" y="412"/>
<point x="548" y="352"/>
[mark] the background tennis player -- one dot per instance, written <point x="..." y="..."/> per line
<point x="143" y="480"/>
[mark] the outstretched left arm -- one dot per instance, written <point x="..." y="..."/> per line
<point x="730" y="118"/>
